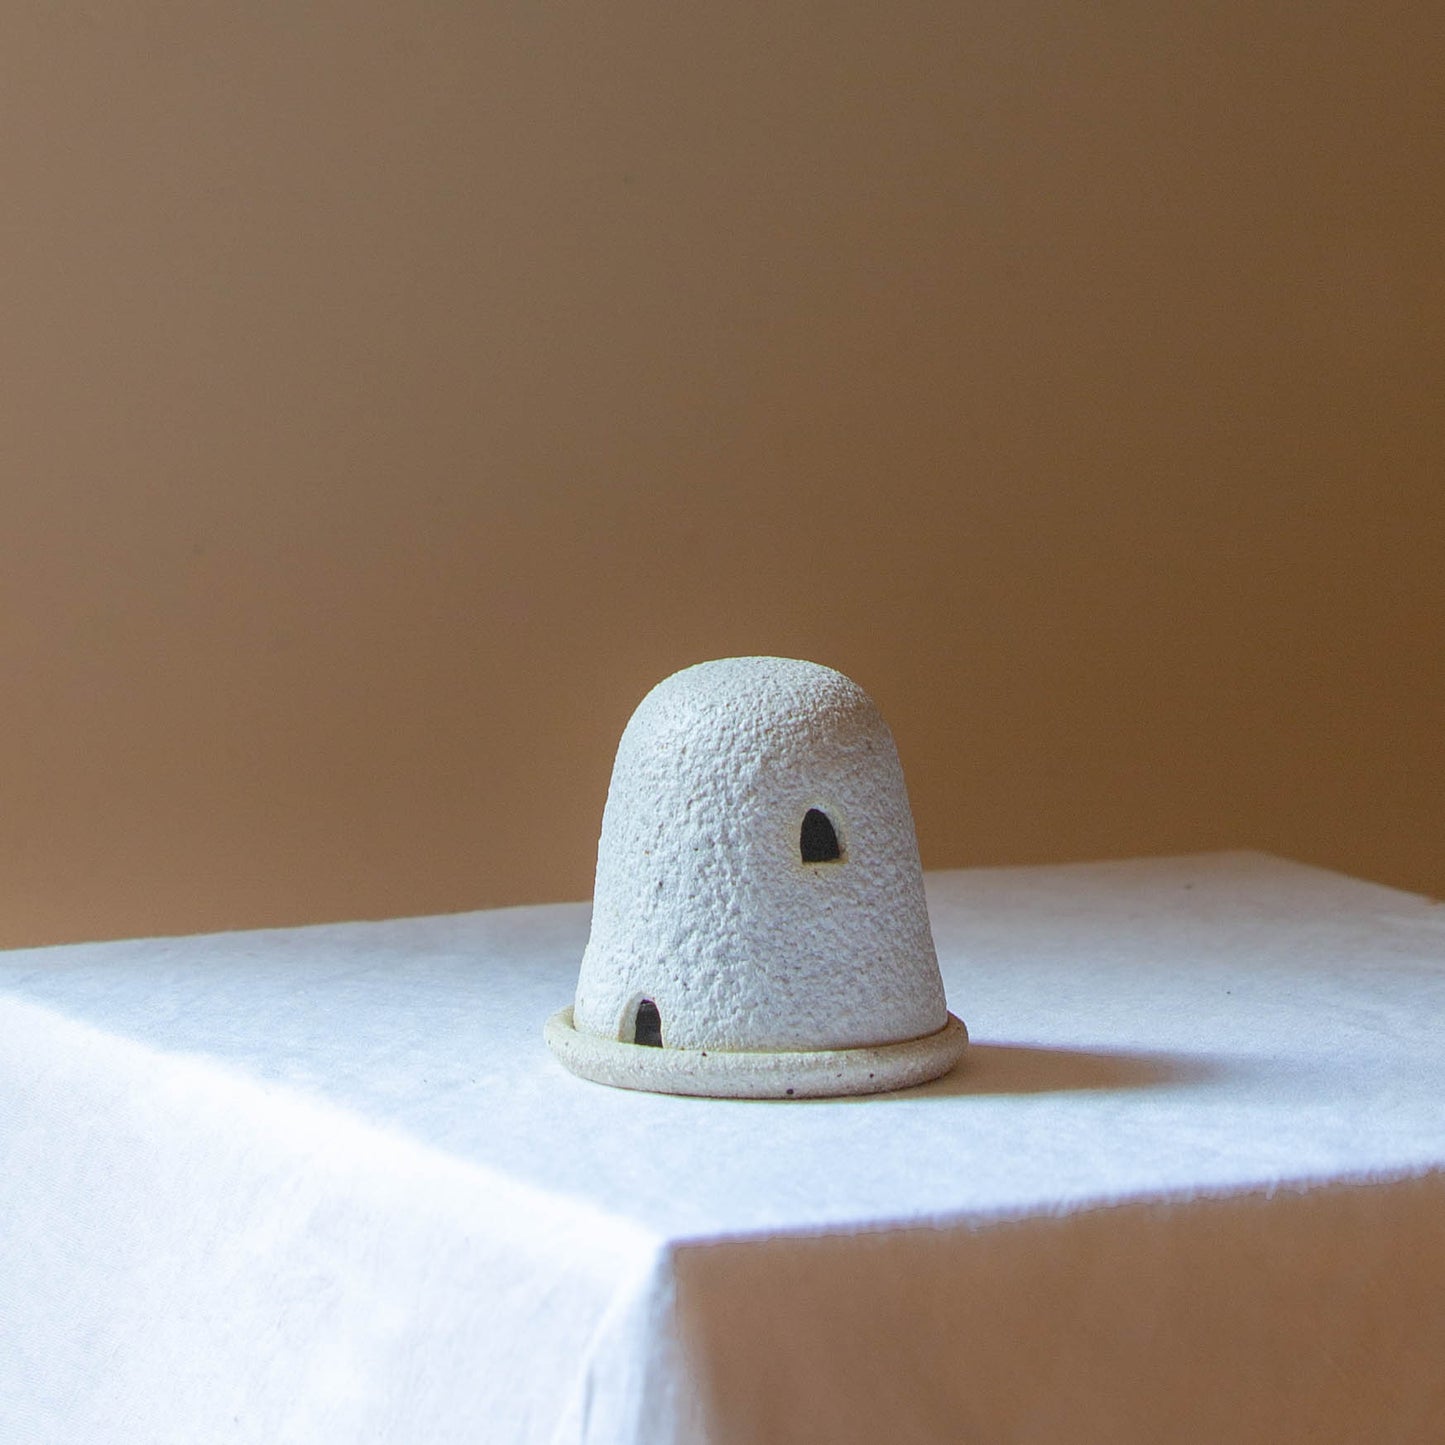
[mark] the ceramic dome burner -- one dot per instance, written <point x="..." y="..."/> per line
<point x="759" y="928"/>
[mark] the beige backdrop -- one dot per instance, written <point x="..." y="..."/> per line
<point x="393" y="391"/>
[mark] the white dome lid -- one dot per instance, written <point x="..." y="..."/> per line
<point x="718" y="907"/>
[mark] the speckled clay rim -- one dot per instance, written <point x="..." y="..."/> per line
<point x="715" y="1074"/>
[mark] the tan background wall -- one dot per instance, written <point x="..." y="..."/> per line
<point x="392" y="392"/>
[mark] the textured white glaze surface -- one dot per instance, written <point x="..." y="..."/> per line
<point x="703" y="903"/>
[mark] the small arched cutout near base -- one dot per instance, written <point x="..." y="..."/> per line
<point x="647" y="1029"/>
<point x="818" y="839"/>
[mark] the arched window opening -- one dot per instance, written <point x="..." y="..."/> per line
<point x="818" y="841"/>
<point x="648" y="1028"/>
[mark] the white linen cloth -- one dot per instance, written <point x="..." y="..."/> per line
<point x="326" y="1185"/>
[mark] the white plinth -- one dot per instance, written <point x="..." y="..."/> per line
<point x="327" y="1185"/>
